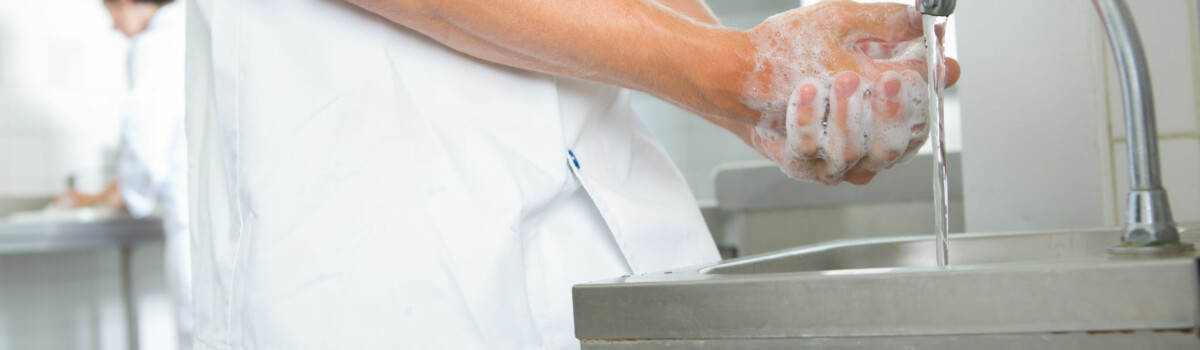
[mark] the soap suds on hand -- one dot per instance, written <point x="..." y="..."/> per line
<point x="793" y="54"/>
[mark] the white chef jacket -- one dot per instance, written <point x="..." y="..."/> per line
<point x="360" y="186"/>
<point x="152" y="164"/>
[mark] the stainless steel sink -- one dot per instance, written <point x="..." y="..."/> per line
<point x="1052" y="289"/>
<point x="914" y="251"/>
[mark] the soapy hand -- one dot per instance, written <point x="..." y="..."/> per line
<point x="841" y="89"/>
<point x="75" y="199"/>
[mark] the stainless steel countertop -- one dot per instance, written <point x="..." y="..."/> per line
<point x="50" y="236"/>
<point x="1041" y="285"/>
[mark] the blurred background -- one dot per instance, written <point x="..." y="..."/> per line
<point x="62" y="80"/>
<point x="1034" y="128"/>
<point x="62" y="84"/>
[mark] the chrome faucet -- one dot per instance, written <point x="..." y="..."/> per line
<point x="936" y="7"/>
<point x="1149" y="227"/>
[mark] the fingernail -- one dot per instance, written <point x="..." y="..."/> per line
<point x="807" y="94"/>
<point x="847" y="83"/>
<point x="891" y="88"/>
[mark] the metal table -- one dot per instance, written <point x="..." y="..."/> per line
<point x="58" y="236"/>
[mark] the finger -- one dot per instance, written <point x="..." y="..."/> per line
<point x="918" y="123"/>
<point x="902" y="65"/>
<point x="801" y="169"/>
<point x="890" y="128"/>
<point x="859" y="176"/>
<point x="771" y="145"/>
<point x="802" y="127"/>
<point x="768" y="143"/>
<point x="880" y="50"/>
<point x="952" y="71"/>
<point x="887" y="21"/>
<point x="819" y="166"/>
<point x="804" y="119"/>
<point x="845" y="131"/>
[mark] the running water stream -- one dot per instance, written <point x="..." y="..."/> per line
<point x="937" y="82"/>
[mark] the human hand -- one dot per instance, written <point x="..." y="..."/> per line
<point x="75" y="199"/>
<point x="841" y="89"/>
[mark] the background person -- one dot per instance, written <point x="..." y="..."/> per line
<point x="152" y="164"/>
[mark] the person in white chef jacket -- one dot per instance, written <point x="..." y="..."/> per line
<point x="426" y="174"/>
<point x="152" y="158"/>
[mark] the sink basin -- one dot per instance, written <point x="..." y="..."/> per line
<point x="914" y="251"/>
<point x="1049" y="289"/>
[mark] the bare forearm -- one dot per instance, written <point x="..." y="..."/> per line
<point x="668" y="52"/>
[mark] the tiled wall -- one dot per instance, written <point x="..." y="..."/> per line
<point x="1043" y="124"/>
<point x="1170" y="35"/>
<point x="61" y="82"/>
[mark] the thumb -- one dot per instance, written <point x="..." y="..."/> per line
<point x="952" y="71"/>
<point x="888" y="21"/>
<point x="952" y="68"/>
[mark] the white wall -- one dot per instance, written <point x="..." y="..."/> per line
<point x="62" y="72"/>
<point x="1170" y="34"/>
<point x="61" y="82"/>
<point x="1043" y="141"/>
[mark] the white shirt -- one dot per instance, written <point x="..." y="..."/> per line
<point x="152" y="165"/>
<point x="153" y="160"/>
<point x="360" y="186"/>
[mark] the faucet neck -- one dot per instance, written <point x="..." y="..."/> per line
<point x="1149" y="227"/>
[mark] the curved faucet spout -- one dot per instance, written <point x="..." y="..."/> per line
<point x="1149" y="227"/>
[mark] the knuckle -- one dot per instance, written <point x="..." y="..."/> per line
<point x="892" y="156"/>
<point x="809" y="148"/>
<point x="851" y="155"/>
